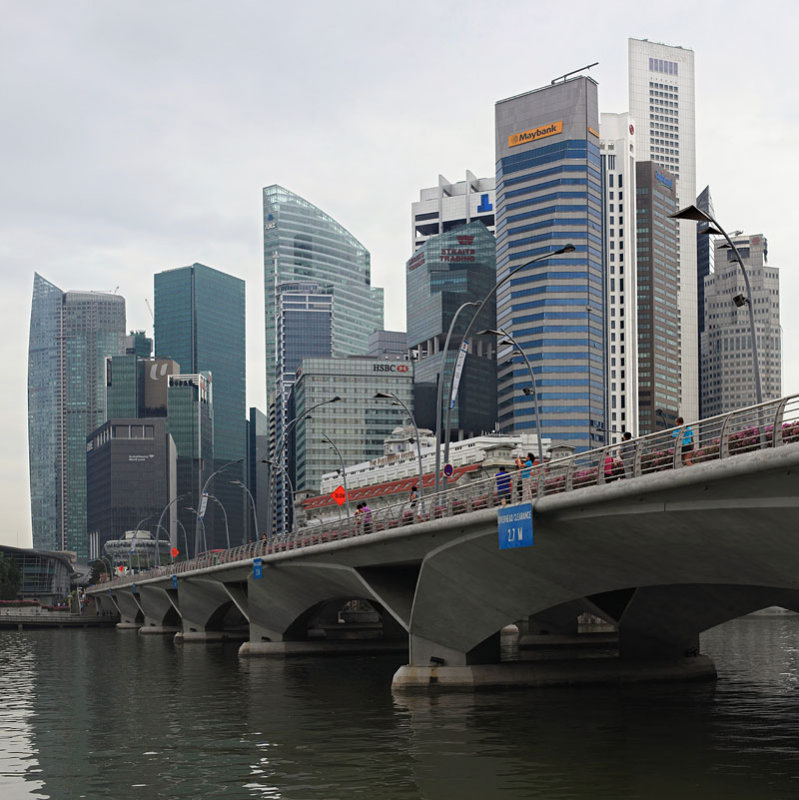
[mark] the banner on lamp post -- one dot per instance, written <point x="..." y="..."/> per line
<point x="456" y="378"/>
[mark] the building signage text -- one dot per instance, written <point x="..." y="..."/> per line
<point x="390" y="368"/>
<point x="523" y="137"/>
<point x="661" y="178"/>
<point x="457" y="254"/>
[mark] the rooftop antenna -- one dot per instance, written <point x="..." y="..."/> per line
<point x="574" y="72"/>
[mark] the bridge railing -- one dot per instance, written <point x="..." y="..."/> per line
<point x="768" y="425"/>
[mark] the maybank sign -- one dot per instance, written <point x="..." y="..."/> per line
<point x="523" y="137"/>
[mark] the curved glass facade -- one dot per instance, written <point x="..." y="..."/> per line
<point x="71" y="335"/>
<point x="302" y="243"/>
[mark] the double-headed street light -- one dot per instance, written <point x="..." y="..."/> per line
<point x="697" y="215"/>
<point x="567" y="248"/>
<point x="508" y="339"/>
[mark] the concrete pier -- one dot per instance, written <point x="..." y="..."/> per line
<point x="541" y="674"/>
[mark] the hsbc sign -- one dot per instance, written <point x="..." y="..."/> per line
<point x="390" y="368"/>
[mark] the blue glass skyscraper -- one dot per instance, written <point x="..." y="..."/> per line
<point x="549" y="194"/>
<point x="71" y="334"/>
<point x="200" y="323"/>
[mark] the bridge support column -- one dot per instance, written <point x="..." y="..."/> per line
<point x="130" y="613"/>
<point x="161" y="614"/>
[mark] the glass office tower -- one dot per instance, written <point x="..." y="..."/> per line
<point x="446" y="271"/>
<point x="549" y="194"/>
<point x="71" y="334"/>
<point x="200" y="323"/>
<point x="302" y="243"/>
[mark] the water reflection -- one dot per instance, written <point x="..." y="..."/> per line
<point x="20" y="775"/>
<point x="104" y="714"/>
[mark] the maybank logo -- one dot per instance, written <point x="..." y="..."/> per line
<point x="533" y="134"/>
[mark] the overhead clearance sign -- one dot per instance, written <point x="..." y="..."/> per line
<point x="523" y="137"/>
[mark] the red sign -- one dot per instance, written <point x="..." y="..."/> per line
<point x="465" y="239"/>
<point x="121" y="568"/>
<point x="339" y="495"/>
<point x="174" y="552"/>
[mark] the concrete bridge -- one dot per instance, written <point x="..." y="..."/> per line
<point x="671" y="549"/>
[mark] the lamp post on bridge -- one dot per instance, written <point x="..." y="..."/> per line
<point x="397" y="401"/>
<point x="697" y="215"/>
<point x="281" y="444"/>
<point x="567" y="248"/>
<point x="252" y="503"/>
<point x="224" y="514"/>
<point x="343" y="476"/>
<point x="200" y="523"/>
<point x="534" y="390"/>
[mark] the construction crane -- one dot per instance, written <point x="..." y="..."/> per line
<point x="149" y="308"/>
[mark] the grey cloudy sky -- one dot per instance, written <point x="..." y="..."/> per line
<point x="136" y="137"/>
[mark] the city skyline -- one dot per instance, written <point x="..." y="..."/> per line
<point x="361" y="153"/>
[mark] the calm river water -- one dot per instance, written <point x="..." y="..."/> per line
<point x="111" y="715"/>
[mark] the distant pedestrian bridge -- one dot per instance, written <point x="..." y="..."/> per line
<point x="683" y="530"/>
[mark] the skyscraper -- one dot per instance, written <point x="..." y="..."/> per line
<point x="449" y="205"/>
<point x="658" y="286"/>
<point x="304" y="330"/>
<point x="303" y="243"/>
<point x="71" y="334"/>
<point x="661" y="84"/>
<point x="727" y="368"/>
<point x="446" y="271"/>
<point x="617" y="143"/>
<point x="200" y="323"/>
<point x="704" y="267"/>
<point x="549" y="194"/>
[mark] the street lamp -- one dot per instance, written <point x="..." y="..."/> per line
<point x="224" y="515"/>
<point x="278" y="456"/>
<point x="567" y="248"/>
<point x="534" y="391"/>
<point x="202" y="492"/>
<point x="343" y="476"/>
<point x="440" y="389"/>
<point x="200" y="523"/>
<point x="252" y="502"/>
<point x="160" y="527"/>
<point x="135" y="540"/>
<point x="397" y="401"/>
<point x="697" y="215"/>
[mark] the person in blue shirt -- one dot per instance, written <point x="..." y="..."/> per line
<point x="686" y="439"/>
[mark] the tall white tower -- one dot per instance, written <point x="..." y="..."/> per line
<point x="661" y="86"/>
<point x="617" y="134"/>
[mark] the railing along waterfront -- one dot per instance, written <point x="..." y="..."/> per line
<point x="768" y="425"/>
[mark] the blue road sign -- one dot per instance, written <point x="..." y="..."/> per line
<point x="257" y="568"/>
<point x="448" y="470"/>
<point x="174" y="581"/>
<point x="515" y="526"/>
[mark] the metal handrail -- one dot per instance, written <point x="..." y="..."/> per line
<point x="715" y="438"/>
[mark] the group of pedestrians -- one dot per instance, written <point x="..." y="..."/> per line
<point x="620" y="465"/>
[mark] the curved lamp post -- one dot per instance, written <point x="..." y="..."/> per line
<point x="252" y="502"/>
<point x="278" y="453"/>
<point x="224" y="515"/>
<point x="534" y="391"/>
<point x="343" y="475"/>
<point x="397" y="401"/>
<point x="567" y="248"/>
<point x="697" y="215"/>
<point x="205" y="486"/>
<point x="159" y="527"/>
<point x="440" y="389"/>
<point x="200" y="523"/>
<point x="135" y="540"/>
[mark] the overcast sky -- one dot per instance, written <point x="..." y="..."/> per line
<point x="137" y="136"/>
